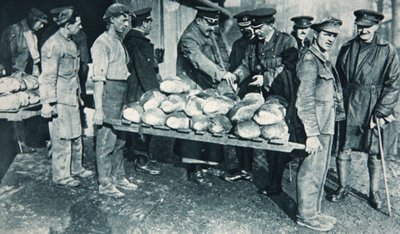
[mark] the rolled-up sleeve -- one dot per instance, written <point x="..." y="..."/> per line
<point x="48" y="78"/>
<point x="100" y="61"/>
<point x="307" y="72"/>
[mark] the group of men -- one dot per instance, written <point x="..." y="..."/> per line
<point x="351" y="97"/>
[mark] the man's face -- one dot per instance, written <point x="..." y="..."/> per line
<point x="301" y="33"/>
<point x="148" y="26"/>
<point x="120" y="23"/>
<point x="76" y="27"/>
<point x="206" y="26"/>
<point x="367" y="33"/>
<point x="37" y="25"/>
<point x="247" y="31"/>
<point x="325" y="40"/>
<point x="263" y="31"/>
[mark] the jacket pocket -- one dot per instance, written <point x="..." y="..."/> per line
<point x="325" y="116"/>
<point x="68" y="65"/>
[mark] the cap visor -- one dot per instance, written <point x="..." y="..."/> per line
<point x="366" y="23"/>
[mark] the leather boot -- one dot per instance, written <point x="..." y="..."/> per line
<point x="343" y="169"/>
<point x="375" y="174"/>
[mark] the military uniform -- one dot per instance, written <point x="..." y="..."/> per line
<point x="59" y="85"/>
<point x="319" y="104"/>
<point x="301" y="22"/>
<point x="369" y="72"/>
<point x="198" y="63"/>
<point x="275" y="60"/>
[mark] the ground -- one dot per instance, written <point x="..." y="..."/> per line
<point x="31" y="203"/>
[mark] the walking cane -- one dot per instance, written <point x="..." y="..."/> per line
<point x="378" y="124"/>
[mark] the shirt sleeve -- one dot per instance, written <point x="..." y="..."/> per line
<point x="48" y="78"/>
<point x="100" y="61"/>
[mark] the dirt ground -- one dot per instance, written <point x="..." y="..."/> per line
<point x="31" y="203"/>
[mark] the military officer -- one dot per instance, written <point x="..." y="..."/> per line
<point x="144" y="77"/>
<point x="59" y="93"/>
<point x="319" y="104"/>
<point x="198" y="63"/>
<point x="368" y="67"/>
<point x="301" y="28"/>
<point x="244" y="155"/>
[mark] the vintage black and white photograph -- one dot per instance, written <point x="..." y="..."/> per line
<point x="199" y="116"/>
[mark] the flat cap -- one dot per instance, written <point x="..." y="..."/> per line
<point x="143" y="14"/>
<point x="117" y="9"/>
<point x="37" y="15"/>
<point x="63" y="15"/>
<point x="56" y="11"/>
<point x="209" y="13"/>
<point x="367" y="17"/>
<point x="328" y="24"/>
<point x="302" y="21"/>
<point x="261" y="16"/>
<point x="243" y="19"/>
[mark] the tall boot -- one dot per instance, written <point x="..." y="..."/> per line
<point x="375" y="174"/>
<point x="343" y="169"/>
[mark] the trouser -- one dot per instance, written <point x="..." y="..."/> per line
<point x="109" y="154"/>
<point x="141" y="147"/>
<point x="277" y="162"/>
<point x="311" y="179"/>
<point x="374" y="169"/>
<point x="245" y="158"/>
<point x="66" y="157"/>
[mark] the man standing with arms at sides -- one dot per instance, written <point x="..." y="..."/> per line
<point x="110" y="74"/>
<point x="301" y="28"/>
<point x="59" y="94"/>
<point x="319" y="104"/>
<point x="199" y="64"/>
<point x="368" y="67"/>
<point x="144" y="77"/>
<point x="244" y="154"/>
<point x="20" y="53"/>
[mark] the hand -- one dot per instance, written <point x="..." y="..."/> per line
<point x="313" y="145"/>
<point x="231" y="79"/>
<point x="98" y="117"/>
<point x="47" y="111"/>
<point x="258" y="80"/>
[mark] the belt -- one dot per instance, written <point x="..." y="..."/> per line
<point x="371" y="88"/>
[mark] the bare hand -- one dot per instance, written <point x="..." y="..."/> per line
<point x="258" y="80"/>
<point x="313" y="145"/>
<point x="47" y="111"/>
<point x="98" y="117"/>
<point x="231" y="79"/>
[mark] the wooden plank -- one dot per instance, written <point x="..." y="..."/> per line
<point x="224" y="139"/>
<point x="21" y="114"/>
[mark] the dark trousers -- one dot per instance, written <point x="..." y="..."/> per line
<point x="245" y="158"/>
<point x="277" y="162"/>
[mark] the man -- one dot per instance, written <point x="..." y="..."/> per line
<point x="225" y="24"/>
<point x="368" y="67"/>
<point x="198" y="63"/>
<point x="301" y="28"/>
<point x="144" y="77"/>
<point x="59" y="94"/>
<point x="110" y="76"/>
<point x="244" y="154"/>
<point x="269" y="67"/>
<point x="319" y="104"/>
<point x="19" y="53"/>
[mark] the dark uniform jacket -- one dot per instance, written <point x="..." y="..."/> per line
<point x="302" y="46"/>
<point x="142" y="66"/>
<point x="319" y="98"/>
<point x="265" y="58"/>
<point x="370" y="77"/>
<point x="197" y="60"/>
<point x="238" y="52"/>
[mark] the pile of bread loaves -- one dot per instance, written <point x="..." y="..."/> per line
<point x="18" y="90"/>
<point x="177" y="106"/>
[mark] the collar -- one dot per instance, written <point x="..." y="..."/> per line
<point x="322" y="56"/>
<point x="63" y="35"/>
<point x="25" y="27"/>
<point x="114" y="36"/>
